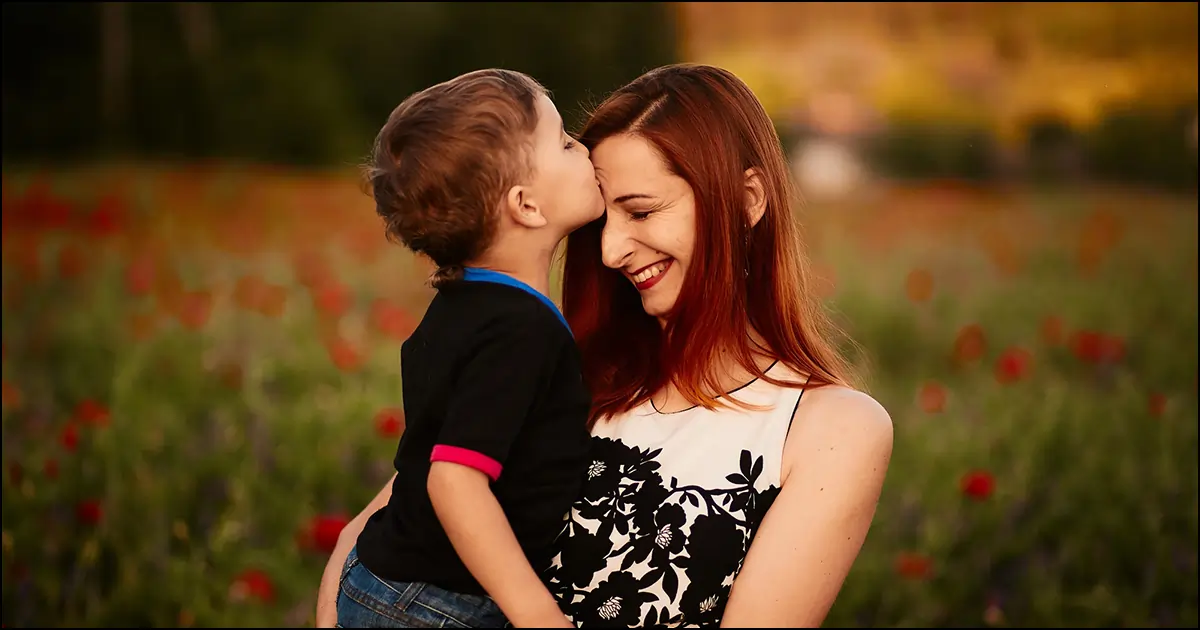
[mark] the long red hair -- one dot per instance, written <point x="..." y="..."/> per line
<point x="709" y="128"/>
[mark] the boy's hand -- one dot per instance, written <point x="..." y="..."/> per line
<point x="484" y="540"/>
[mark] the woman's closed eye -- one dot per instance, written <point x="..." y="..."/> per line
<point x="642" y="213"/>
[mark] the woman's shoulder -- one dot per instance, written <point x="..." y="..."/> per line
<point x="838" y="399"/>
<point x="836" y="419"/>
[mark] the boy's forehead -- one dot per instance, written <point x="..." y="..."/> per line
<point x="548" y="115"/>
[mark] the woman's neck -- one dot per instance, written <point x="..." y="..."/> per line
<point x="731" y="374"/>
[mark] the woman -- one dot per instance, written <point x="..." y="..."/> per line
<point x="735" y="472"/>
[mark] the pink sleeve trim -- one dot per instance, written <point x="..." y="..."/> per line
<point x="468" y="458"/>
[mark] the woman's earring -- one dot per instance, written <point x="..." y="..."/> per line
<point x="746" y="265"/>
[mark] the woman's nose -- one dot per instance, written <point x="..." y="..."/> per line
<point x="616" y="247"/>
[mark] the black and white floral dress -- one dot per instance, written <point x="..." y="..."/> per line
<point x="670" y="505"/>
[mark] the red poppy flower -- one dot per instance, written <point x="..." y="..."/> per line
<point x="1013" y="365"/>
<point x="92" y="412"/>
<point x="195" y="308"/>
<point x="978" y="484"/>
<point x="1158" y="404"/>
<point x="913" y="566"/>
<point x="71" y="261"/>
<point x="322" y="532"/>
<point x="389" y="423"/>
<point x="919" y="285"/>
<point x="344" y="356"/>
<point x="310" y="268"/>
<point x="69" y="437"/>
<point x="1052" y="330"/>
<point x="10" y="396"/>
<point x="106" y="219"/>
<point x="331" y="298"/>
<point x="1095" y="347"/>
<point x="89" y="512"/>
<point x="392" y="320"/>
<point x="139" y="276"/>
<point x="932" y="398"/>
<point x="970" y="344"/>
<point x="252" y="583"/>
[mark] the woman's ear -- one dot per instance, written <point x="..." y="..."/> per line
<point x="756" y="196"/>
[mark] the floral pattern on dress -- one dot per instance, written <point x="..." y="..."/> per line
<point x="640" y="550"/>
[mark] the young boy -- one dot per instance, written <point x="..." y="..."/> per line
<point x="478" y="174"/>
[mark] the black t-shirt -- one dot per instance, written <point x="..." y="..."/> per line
<point x="492" y="378"/>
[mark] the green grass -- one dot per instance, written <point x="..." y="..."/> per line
<point x="225" y="441"/>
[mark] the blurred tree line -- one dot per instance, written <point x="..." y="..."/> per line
<point x="288" y="83"/>
<point x="1140" y="144"/>
<point x="1053" y="92"/>
<point x="310" y="84"/>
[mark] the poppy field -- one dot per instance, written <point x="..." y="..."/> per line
<point x="201" y="386"/>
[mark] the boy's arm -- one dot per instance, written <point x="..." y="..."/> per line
<point x="327" y="592"/>
<point x="484" y="540"/>
<point x="509" y="363"/>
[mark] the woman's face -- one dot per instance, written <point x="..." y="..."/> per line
<point x="650" y="227"/>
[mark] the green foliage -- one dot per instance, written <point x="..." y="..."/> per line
<point x="203" y="474"/>
<point x="1131" y="145"/>
<point x="1146" y="146"/>
<point x="298" y="83"/>
<point x="932" y="149"/>
<point x="1093" y="520"/>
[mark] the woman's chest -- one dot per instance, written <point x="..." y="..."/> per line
<point x="666" y="516"/>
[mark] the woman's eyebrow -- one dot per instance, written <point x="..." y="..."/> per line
<point x="631" y="197"/>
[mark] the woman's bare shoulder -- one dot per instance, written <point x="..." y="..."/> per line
<point x="836" y="419"/>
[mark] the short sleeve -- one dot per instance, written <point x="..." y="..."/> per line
<point x="507" y="370"/>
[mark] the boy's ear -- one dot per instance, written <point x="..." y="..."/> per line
<point x="522" y="208"/>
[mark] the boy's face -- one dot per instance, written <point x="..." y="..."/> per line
<point x="563" y="180"/>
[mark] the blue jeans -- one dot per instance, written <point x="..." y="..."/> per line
<point x="368" y="601"/>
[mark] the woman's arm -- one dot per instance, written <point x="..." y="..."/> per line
<point x="835" y="461"/>
<point x="331" y="578"/>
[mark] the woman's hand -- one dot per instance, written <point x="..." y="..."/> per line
<point x="331" y="579"/>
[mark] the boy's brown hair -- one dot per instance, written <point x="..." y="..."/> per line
<point x="444" y="160"/>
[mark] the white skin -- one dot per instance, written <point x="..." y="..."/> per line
<point x="560" y="196"/>
<point x="536" y="215"/>
<point x="840" y="443"/>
